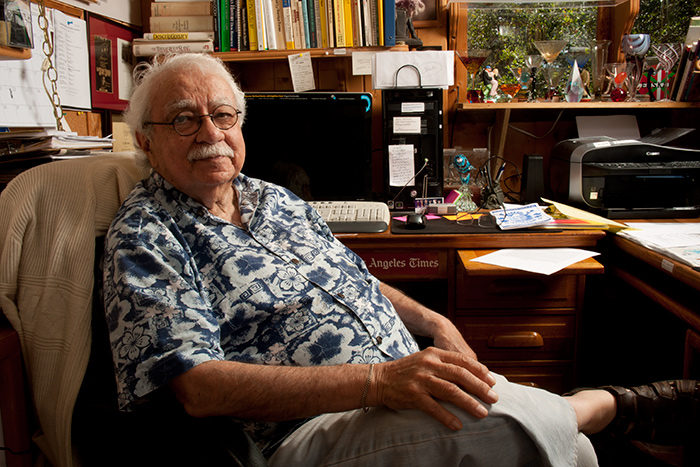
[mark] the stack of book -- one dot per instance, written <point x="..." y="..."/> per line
<point x="242" y="25"/>
<point x="686" y="84"/>
<point x="179" y="27"/>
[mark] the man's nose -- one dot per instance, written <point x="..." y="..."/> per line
<point x="207" y="130"/>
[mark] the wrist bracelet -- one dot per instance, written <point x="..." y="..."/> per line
<point x="366" y="391"/>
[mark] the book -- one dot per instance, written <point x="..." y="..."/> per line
<point x="181" y="23"/>
<point x="260" y="24"/>
<point x="252" y="25"/>
<point x="269" y="9"/>
<point x="339" y="21"/>
<point x="298" y="25"/>
<point x="179" y="36"/>
<point x="182" y="9"/>
<point x="347" y="11"/>
<point x="687" y="71"/>
<point x="288" y="16"/>
<point x="389" y="23"/>
<point x="224" y="14"/>
<point x="521" y="217"/>
<point x="143" y="48"/>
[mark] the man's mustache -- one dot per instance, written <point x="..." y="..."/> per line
<point x="205" y="151"/>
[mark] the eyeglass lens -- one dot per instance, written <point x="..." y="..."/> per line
<point x="188" y="123"/>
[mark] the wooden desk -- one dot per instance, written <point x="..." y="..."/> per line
<point x="667" y="282"/>
<point x="523" y="333"/>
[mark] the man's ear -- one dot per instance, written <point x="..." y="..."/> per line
<point x="145" y="145"/>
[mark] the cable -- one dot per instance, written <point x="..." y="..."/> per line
<point x="425" y="164"/>
<point x="538" y="137"/>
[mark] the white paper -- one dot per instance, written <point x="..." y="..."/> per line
<point x="429" y="69"/>
<point x="406" y="125"/>
<point x="125" y="68"/>
<point x="614" y="126"/>
<point x="302" y="72"/>
<point x="362" y="63"/>
<point x="401" y="165"/>
<point x="23" y="100"/>
<point x="538" y="260"/>
<point x="677" y="240"/>
<point x="72" y="61"/>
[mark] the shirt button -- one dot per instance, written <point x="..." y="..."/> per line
<point x="379" y="340"/>
<point x="295" y="261"/>
<point x="341" y="295"/>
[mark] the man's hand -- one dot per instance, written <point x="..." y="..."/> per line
<point x="420" y="380"/>
<point x="446" y="336"/>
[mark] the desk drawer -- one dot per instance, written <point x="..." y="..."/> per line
<point x="532" y="291"/>
<point x="542" y="337"/>
<point x="554" y="377"/>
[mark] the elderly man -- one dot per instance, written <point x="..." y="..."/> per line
<point x="233" y="294"/>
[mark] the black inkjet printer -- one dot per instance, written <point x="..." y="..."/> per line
<point x="626" y="179"/>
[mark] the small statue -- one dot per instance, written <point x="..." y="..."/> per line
<point x="490" y="78"/>
<point x="405" y="31"/>
<point x="464" y="203"/>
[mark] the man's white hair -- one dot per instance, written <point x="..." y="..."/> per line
<point x="148" y="76"/>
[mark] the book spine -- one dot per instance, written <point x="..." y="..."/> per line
<point x="181" y="9"/>
<point x="686" y="72"/>
<point x="322" y="15"/>
<point x="260" y="24"/>
<point x="331" y="23"/>
<point x="179" y="36"/>
<point x="380" y="22"/>
<point x="339" y="19"/>
<point x="288" y="23"/>
<point x="367" y="23"/>
<point x="244" y="40"/>
<point x="224" y="25"/>
<point x="233" y="25"/>
<point x="158" y="47"/>
<point x="252" y="25"/>
<point x="279" y="24"/>
<point x="389" y="23"/>
<point x="181" y="23"/>
<point x="298" y="25"/>
<point x="305" y="23"/>
<point x="347" y="11"/>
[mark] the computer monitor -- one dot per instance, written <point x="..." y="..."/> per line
<point x="317" y="144"/>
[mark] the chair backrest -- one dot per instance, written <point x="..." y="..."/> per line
<point x="49" y="218"/>
<point x="53" y="219"/>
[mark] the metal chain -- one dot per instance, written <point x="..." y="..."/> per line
<point x="48" y="70"/>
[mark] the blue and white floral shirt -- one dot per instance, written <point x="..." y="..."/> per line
<point x="184" y="287"/>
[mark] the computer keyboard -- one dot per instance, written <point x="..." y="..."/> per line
<point x="354" y="216"/>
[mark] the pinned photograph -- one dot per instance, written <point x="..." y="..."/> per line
<point x="15" y="23"/>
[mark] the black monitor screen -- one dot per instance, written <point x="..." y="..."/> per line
<point x="317" y="144"/>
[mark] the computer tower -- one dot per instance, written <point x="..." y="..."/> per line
<point x="412" y="120"/>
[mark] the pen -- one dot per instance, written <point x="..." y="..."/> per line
<point x="500" y="172"/>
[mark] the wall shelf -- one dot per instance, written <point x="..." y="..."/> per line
<point x="577" y="105"/>
<point x="334" y="52"/>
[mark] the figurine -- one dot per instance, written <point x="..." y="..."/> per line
<point x="464" y="203"/>
<point x="405" y="31"/>
<point x="490" y="78"/>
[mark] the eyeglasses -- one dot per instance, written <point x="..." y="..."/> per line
<point x="187" y="123"/>
<point x="484" y="220"/>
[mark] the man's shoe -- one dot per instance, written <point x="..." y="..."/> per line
<point x="663" y="413"/>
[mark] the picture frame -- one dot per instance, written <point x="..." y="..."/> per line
<point x="428" y="18"/>
<point x="111" y="62"/>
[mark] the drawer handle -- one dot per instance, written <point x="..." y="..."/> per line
<point x="517" y="339"/>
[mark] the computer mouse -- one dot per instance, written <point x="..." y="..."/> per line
<point x="415" y="221"/>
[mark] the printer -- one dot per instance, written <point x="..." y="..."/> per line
<point x="626" y="179"/>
